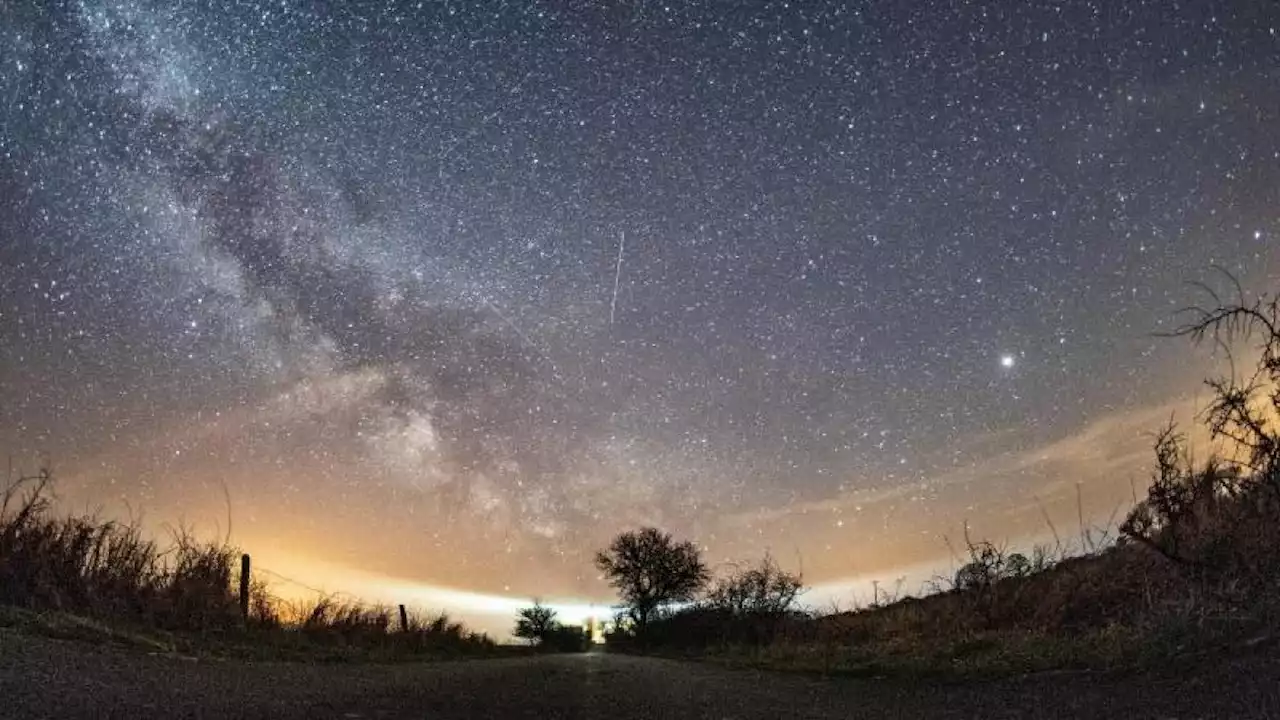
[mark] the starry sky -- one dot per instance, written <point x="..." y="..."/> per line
<point x="452" y="292"/>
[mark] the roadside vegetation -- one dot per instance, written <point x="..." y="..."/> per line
<point x="540" y="626"/>
<point x="1193" y="570"/>
<point x="88" y="578"/>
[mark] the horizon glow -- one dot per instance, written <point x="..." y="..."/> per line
<point x="448" y="295"/>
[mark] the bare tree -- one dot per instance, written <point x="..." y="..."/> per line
<point x="649" y="569"/>
<point x="764" y="589"/>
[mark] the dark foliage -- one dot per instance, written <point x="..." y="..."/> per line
<point x="705" y="626"/>
<point x="753" y="602"/>
<point x="565" y="639"/>
<point x="535" y="623"/>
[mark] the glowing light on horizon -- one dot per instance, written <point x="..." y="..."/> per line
<point x="279" y="329"/>
<point x="488" y="612"/>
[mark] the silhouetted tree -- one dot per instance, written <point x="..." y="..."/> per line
<point x="765" y="589"/>
<point x="536" y="623"/>
<point x="751" y="603"/>
<point x="649" y="570"/>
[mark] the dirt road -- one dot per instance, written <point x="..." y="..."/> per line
<point x="43" y="678"/>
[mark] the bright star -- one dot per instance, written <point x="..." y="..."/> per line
<point x="1006" y="361"/>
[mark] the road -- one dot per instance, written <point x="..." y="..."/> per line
<point x="44" y="678"/>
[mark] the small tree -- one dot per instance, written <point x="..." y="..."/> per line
<point x="649" y="569"/>
<point x="536" y="623"/>
<point x="765" y="589"/>
<point x="752" y="602"/>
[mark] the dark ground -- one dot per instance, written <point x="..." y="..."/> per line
<point x="45" y="678"/>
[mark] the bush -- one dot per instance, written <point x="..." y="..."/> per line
<point x="764" y="589"/>
<point x="753" y="602"/>
<point x="535" y="623"/>
<point x="565" y="639"/>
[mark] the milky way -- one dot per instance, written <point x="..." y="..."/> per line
<point x="887" y="267"/>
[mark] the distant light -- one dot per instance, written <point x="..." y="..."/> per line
<point x="1007" y="361"/>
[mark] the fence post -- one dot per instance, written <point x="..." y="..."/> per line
<point x="244" y="587"/>
<point x="404" y="620"/>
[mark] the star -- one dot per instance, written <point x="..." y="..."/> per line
<point x="523" y="280"/>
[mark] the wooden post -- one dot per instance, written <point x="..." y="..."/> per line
<point x="244" y="587"/>
<point x="404" y="620"/>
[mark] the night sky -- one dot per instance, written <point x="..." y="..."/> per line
<point x="452" y="292"/>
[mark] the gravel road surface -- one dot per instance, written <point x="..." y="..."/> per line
<point x="44" y="678"/>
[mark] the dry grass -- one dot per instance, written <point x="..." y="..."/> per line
<point x="1140" y="600"/>
<point x="74" y="574"/>
<point x="103" y="568"/>
<point x="1196" y="568"/>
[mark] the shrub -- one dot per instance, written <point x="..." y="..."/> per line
<point x="565" y="638"/>
<point x="764" y="589"/>
<point x="535" y="623"/>
<point x="753" y="602"/>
